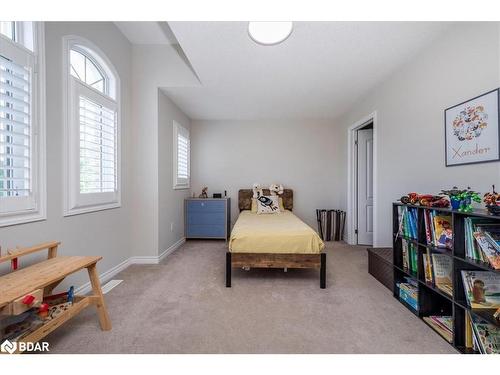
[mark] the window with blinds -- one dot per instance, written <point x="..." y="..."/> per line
<point x="92" y="170"/>
<point x="97" y="147"/>
<point x="22" y="123"/>
<point x="181" y="156"/>
<point x="15" y="130"/>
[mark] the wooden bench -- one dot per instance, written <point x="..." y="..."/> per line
<point x="40" y="279"/>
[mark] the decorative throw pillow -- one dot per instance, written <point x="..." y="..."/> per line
<point x="254" y="205"/>
<point x="267" y="204"/>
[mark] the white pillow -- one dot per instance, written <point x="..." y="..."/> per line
<point x="268" y="204"/>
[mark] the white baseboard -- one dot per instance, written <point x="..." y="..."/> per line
<point x="171" y="249"/>
<point x="109" y="274"/>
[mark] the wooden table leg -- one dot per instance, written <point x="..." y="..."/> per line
<point x="104" y="320"/>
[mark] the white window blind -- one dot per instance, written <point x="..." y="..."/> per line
<point x="92" y="134"/>
<point x="15" y="130"/>
<point x="97" y="147"/>
<point x="22" y="123"/>
<point x="181" y="157"/>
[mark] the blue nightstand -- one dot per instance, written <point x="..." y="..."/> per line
<point x="207" y="217"/>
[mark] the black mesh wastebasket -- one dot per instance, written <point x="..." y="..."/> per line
<point x="331" y="224"/>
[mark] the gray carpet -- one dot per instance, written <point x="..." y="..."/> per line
<point x="182" y="306"/>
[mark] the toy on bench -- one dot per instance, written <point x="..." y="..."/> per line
<point x="28" y="310"/>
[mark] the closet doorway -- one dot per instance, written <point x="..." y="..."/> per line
<point x="364" y="193"/>
<point x="361" y="211"/>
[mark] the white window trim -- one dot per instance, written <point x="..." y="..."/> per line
<point x="71" y="184"/>
<point x="178" y="128"/>
<point x="39" y="188"/>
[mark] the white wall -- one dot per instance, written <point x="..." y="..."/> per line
<point x="153" y="66"/>
<point x="102" y="233"/>
<point x="461" y="64"/>
<point x="171" y="202"/>
<point x="232" y="155"/>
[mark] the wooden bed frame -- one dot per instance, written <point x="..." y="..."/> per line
<point x="273" y="260"/>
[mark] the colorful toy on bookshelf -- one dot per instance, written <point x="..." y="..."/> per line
<point x="427" y="200"/>
<point x="454" y="195"/>
<point x="461" y="200"/>
<point x="492" y="201"/>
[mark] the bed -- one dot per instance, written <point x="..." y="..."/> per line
<point x="273" y="240"/>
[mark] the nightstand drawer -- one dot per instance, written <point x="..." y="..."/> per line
<point x="206" y="218"/>
<point x="206" y="206"/>
<point x="206" y="231"/>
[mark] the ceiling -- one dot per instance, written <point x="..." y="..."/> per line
<point x="139" y="32"/>
<point x="318" y="72"/>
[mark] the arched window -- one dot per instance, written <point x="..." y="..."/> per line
<point x="86" y="70"/>
<point x="92" y="131"/>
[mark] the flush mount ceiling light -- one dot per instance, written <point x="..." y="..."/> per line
<point x="269" y="33"/>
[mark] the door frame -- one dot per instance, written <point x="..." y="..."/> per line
<point x="352" y="178"/>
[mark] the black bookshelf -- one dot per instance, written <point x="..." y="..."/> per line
<point x="431" y="300"/>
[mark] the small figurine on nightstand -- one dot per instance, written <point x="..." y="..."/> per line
<point x="204" y="193"/>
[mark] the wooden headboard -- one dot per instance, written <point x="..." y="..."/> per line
<point x="245" y="198"/>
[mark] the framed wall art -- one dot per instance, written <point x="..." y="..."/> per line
<point x="472" y="130"/>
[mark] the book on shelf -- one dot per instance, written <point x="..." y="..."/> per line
<point x="482" y="289"/>
<point x="469" y="341"/>
<point x="482" y="241"/>
<point x="488" y="251"/>
<point x="428" y="273"/>
<point x="486" y="336"/>
<point x="442" y="267"/>
<point x="410" y="256"/>
<point x="443" y="235"/>
<point x="408" y="222"/>
<point x="492" y="232"/>
<point x="442" y="325"/>
<point x="438" y="229"/>
<point x="408" y="292"/>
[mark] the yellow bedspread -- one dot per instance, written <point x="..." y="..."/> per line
<point x="282" y="233"/>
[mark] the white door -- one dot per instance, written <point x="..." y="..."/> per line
<point x="365" y="187"/>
